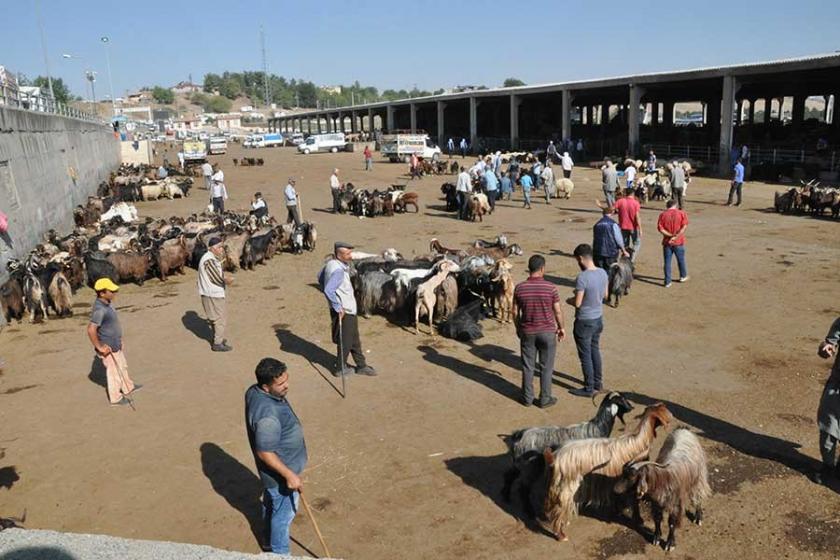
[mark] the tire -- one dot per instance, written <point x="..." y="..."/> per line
<point x="406" y="159"/>
<point x="435" y="156"/>
<point x="306" y="151"/>
<point x="334" y="149"/>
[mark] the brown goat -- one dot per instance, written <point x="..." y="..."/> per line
<point x="447" y="298"/>
<point x="436" y="247"/>
<point x="131" y="266"/>
<point x="61" y="295"/>
<point x="11" y="300"/>
<point x="234" y="249"/>
<point x="171" y="256"/>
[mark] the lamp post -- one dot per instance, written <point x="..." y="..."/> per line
<point x="90" y="76"/>
<point x="106" y="41"/>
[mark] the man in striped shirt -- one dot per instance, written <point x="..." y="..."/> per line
<point x="538" y="317"/>
<point x="211" y="288"/>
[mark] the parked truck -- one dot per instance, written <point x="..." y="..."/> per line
<point x="273" y="139"/>
<point x="195" y="151"/>
<point x="399" y="145"/>
<point x="217" y="145"/>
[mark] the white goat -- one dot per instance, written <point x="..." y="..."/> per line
<point x="426" y="297"/>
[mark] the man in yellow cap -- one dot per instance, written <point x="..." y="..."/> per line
<point x="105" y="334"/>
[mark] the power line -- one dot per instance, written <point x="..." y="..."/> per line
<point x="266" y="87"/>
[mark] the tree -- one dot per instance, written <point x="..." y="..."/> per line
<point x="513" y="82"/>
<point x="230" y="88"/>
<point x="212" y="82"/>
<point x="62" y="92"/>
<point x="163" y="95"/>
<point x="217" y="104"/>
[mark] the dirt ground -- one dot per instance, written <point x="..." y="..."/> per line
<point x="410" y="464"/>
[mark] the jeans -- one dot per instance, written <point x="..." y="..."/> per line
<point x="735" y="189"/>
<point x="609" y="196"/>
<point x="463" y="203"/>
<point x="679" y="195"/>
<point x="632" y="241"/>
<point x="219" y="205"/>
<point x="491" y="198"/>
<point x="567" y="173"/>
<point x="537" y="350"/>
<point x="368" y="164"/>
<point x="278" y="512"/>
<point x="587" y="334"/>
<point x="679" y="251"/>
<point x="527" y="193"/>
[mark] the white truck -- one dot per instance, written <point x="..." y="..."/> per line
<point x="332" y="142"/>
<point x="217" y="145"/>
<point x="273" y="139"/>
<point x="399" y="146"/>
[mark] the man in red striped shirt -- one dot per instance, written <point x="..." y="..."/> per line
<point x="538" y="318"/>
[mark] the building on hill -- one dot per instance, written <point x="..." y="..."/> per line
<point x="187" y="123"/>
<point x="185" y="87"/>
<point x="228" y="121"/>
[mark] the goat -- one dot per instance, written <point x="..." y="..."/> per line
<point x="59" y="291"/>
<point x="496" y="253"/>
<point x="405" y="199"/>
<point x="463" y="324"/>
<point x="450" y="194"/>
<point x="526" y="445"/>
<point x="426" y="297"/>
<point x="602" y="456"/>
<point x="620" y="279"/>
<point x="375" y="291"/>
<point x="131" y="266"/>
<point x="258" y="248"/>
<point x="447" y="298"/>
<point x="98" y="266"/>
<point x="436" y="247"/>
<point x="11" y="293"/>
<point x="480" y="205"/>
<point x="501" y="242"/>
<point x="677" y="479"/>
<point x="34" y="295"/>
<point x="170" y="256"/>
<point x="388" y="255"/>
<point x="503" y="295"/>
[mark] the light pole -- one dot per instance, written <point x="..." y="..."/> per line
<point x="106" y="41"/>
<point x="90" y="76"/>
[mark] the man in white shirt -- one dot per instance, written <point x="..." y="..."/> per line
<point x="566" y="163"/>
<point x="290" y="195"/>
<point x="630" y="175"/>
<point x="547" y="177"/>
<point x="335" y="188"/>
<point x="181" y="159"/>
<point x="258" y="207"/>
<point x="211" y="288"/>
<point x="207" y="171"/>
<point x="463" y="188"/>
<point x="218" y="193"/>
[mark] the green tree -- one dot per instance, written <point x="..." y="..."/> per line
<point x="163" y="95"/>
<point x="230" y="88"/>
<point x="212" y="82"/>
<point x="307" y="94"/>
<point x="217" y="104"/>
<point x="62" y="92"/>
<point x="513" y="82"/>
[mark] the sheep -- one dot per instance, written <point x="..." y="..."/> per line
<point x="564" y="187"/>
<point x="480" y="206"/>
<point x="426" y="297"/>
<point x="677" y="479"/>
<point x="152" y="192"/>
<point x="526" y="445"/>
<point x="620" y="279"/>
<point x="602" y="456"/>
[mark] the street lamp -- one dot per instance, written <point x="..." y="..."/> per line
<point x="106" y="41"/>
<point x="90" y="76"/>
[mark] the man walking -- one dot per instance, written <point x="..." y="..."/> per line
<point x="526" y="182"/>
<point x="506" y="186"/>
<point x="538" y="318"/>
<point x="218" y="194"/>
<point x="207" y="171"/>
<point x="677" y="183"/>
<point x="651" y="163"/>
<point x="105" y="333"/>
<point x="211" y="289"/>
<point x="335" y="189"/>
<point x="491" y="185"/>
<point x="551" y="153"/>
<point x="609" y="182"/>
<point x="547" y="178"/>
<point x="276" y="439"/>
<point x="628" y="209"/>
<point x="737" y="182"/>
<point x="335" y="282"/>
<point x="590" y="292"/>
<point x="828" y="414"/>
<point x="630" y="175"/>
<point x="567" y="164"/>
<point x="607" y="242"/>
<point x="291" y="197"/>
<point x="463" y="146"/>
<point x="450" y="147"/>
<point x="463" y="189"/>
<point x="368" y="159"/>
<point x="672" y="223"/>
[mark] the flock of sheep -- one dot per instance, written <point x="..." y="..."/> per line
<point x="809" y="198"/>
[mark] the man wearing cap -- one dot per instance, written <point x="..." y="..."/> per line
<point x="105" y="333"/>
<point x="211" y="288"/>
<point x="290" y="194"/>
<point x="334" y="280"/>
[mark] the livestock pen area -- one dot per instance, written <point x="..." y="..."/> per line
<point x="411" y="463"/>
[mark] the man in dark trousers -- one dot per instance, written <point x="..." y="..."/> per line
<point x="276" y="439"/>
<point x="590" y="292"/>
<point x="538" y="318"/>
<point x="334" y="280"/>
<point x="607" y="241"/>
<point x="828" y="415"/>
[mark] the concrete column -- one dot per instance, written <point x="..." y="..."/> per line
<point x="654" y="113"/>
<point x="566" y="122"/>
<point x="441" y="109"/>
<point x="730" y="88"/>
<point x="768" y="104"/>
<point x="473" y="122"/>
<point x="515" y="101"/>
<point x="751" y="112"/>
<point x="668" y="117"/>
<point x="389" y="117"/>
<point x="798" y="111"/>
<point x="636" y="94"/>
<point x="605" y="114"/>
<point x="353" y="125"/>
<point x="412" y="111"/>
<point x="370" y="120"/>
<point x="341" y="127"/>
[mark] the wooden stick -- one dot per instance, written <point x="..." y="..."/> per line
<point x="314" y="524"/>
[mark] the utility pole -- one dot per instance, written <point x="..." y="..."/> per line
<point x="44" y="48"/>
<point x="106" y="42"/>
<point x="266" y="89"/>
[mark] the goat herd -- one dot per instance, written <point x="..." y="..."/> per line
<point x="808" y="198"/>
<point x="564" y="468"/>
<point x="110" y="241"/>
<point x="367" y="203"/>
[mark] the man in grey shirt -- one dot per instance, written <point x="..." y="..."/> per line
<point x="677" y="183"/>
<point x="609" y="181"/>
<point x="590" y="292"/>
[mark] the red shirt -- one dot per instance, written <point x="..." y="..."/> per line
<point x="535" y="297"/>
<point x="672" y="220"/>
<point x="367" y="152"/>
<point x="628" y="213"/>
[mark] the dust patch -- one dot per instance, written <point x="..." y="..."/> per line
<point x="166" y="295"/>
<point x="271" y="287"/>
<point x="621" y="543"/>
<point x="14" y="390"/>
<point x="729" y="469"/>
<point x="53" y="331"/>
<point x="797" y="419"/>
<point x="321" y="504"/>
<point x="812" y="534"/>
<point x="786" y="262"/>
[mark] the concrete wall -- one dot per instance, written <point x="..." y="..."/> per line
<point x="48" y="165"/>
<point x="142" y="155"/>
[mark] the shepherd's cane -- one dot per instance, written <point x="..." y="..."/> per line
<point x="314" y="524"/>
<point x="341" y="364"/>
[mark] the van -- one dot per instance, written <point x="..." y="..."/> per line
<point x="331" y="142"/>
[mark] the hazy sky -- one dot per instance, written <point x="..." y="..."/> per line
<point x="397" y="44"/>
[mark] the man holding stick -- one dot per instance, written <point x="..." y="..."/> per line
<point x="105" y="333"/>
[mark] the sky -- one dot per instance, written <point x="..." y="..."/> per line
<point x="428" y="43"/>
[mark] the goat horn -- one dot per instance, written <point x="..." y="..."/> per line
<point x="596" y="393"/>
<point x="658" y="465"/>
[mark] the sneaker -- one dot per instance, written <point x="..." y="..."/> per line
<point x="667" y="284"/>
<point x="685" y="279"/>
<point x="122" y="402"/>
<point x="551" y="401"/>
<point x="347" y="370"/>
<point x="582" y="392"/>
<point x="365" y="370"/>
<point x="526" y="402"/>
<point x="221" y="348"/>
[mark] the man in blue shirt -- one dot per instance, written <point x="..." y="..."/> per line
<point x="491" y="185"/>
<point x="526" y="183"/>
<point x="607" y="241"/>
<point x="737" y="182"/>
<point x="276" y="439"/>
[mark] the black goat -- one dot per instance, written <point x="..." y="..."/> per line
<point x="620" y="279"/>
<point x="463" y="324"/>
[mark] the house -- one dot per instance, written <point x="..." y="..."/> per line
<point x="229" y="121"/>
<point x="138" y="97"/>
<point x="186" y="124"/>
<point x="332" y="90"/>
<point x="185" y="87"/>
